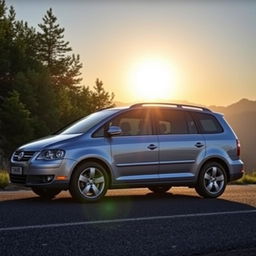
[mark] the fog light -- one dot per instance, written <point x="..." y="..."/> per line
<point x="48" y="178"/>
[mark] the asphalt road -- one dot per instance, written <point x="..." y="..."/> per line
<point x="130" y="222"/>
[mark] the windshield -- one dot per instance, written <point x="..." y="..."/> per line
<point x="85" y="124"/>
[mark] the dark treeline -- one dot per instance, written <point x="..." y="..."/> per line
<point x="40" y="81"/>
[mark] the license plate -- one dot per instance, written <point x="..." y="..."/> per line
<point x="16" y="170"/>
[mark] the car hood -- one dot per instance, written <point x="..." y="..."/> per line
<point x="49" y="141"/>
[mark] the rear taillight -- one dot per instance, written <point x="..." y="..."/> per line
<point x="238" y="147"/>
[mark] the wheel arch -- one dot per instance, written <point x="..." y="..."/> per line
<point x="97" y="160"/>
<point x="218" y="160"/>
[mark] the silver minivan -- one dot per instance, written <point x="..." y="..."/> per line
<point x="153" y="145"/>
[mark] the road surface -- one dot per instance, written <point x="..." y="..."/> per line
<point x="130" y="222"/>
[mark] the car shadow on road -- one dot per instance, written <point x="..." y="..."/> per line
<point x="149" y="200"/>
<point x="33" y="210"/>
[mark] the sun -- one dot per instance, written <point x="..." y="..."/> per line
<point x="153" y="79"/>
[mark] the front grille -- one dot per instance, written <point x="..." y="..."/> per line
<point x="23" y="156"/>
<point x="21" y="179"/>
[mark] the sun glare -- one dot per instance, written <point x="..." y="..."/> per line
<point x="153" y="79"/>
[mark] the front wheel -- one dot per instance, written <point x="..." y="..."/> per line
<point x="212" y="180"/>
<point x="159" y="189"/>
<point x="89" y="182"/>
<point x="46" y="193"/>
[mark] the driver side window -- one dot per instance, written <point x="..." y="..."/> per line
<point x="132" y="123"/>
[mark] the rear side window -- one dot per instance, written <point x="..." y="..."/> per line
<point x="174" y="122"/>
<point x="207" y="123"/>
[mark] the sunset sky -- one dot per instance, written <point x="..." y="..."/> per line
<point x="199" y="51"/>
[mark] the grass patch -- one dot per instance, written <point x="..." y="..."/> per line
<point x="4" y="178"/>
<point x="248" y="178"/>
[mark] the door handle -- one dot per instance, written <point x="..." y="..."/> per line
<point x="152" y="146"/>
<point x="199" y="144"/>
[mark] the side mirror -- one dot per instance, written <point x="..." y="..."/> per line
<point x="114" y="130"/>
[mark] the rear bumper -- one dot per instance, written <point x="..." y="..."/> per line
<point x="236" y="170"/>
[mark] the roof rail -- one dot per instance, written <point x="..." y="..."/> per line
<point x="170" y="104"/>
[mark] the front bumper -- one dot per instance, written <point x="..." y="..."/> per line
<point x="37" y="173"/>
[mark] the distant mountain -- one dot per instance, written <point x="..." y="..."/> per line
<point x="242" y="117"/>
<point x="243" y="105"/>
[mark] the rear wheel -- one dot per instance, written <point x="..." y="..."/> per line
<point x="46" y="193"/>
<point x="159" y="189"/>
<point x="212" y="180"/>
<point x="89" y="183"/>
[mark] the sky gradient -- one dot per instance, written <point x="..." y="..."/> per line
<point x="210" y="45"/>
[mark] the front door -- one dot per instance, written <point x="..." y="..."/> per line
<point x="135" y="151"/>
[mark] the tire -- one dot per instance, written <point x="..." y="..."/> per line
<point x="212" y="180"/>
<point x="159" y="189"/>
<point x="89" y="182"/>
<point x="46" y="193"/>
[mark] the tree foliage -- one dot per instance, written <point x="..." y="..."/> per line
<point x="53" y="51"/>
<point x="100" y="98"/>
<point x="16" y="122"/>
<point x="40" y="80"/>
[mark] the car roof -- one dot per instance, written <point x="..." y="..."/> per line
<point x="173" y="105"/>
<point x="165" y="105"/>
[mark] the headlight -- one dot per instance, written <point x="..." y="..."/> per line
<point x="51" y="154"/>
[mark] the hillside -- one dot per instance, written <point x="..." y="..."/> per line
<point x="242" y="117"/>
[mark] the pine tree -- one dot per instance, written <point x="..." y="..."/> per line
<point x="53" y="51"/>
<point x="64" y="68"/>
<point x="52" y="46"/>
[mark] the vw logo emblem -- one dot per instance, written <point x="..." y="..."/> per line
<point x="20" y="155"/>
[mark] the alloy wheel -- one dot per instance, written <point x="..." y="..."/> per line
<point x="214" y="180"/>
<point x="91" y="182"/>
